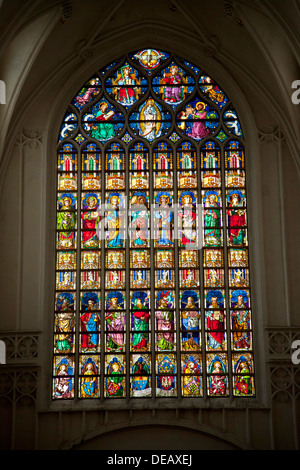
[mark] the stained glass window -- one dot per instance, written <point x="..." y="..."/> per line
<point x="152" y="294"/>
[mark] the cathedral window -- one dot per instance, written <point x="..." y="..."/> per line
<point x="152" y="294"/>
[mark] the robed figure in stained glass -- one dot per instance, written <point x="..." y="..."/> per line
<point x="236" y="220"/>
<point x="113" y="219"/>
<point x="212" y="220"/>
<point x="164" y="216"/>
<point x="115" y="327"/>
<point x="239" y="299"/>
<point x="125" y="90"/>
<point x="165" y="320"/>
<point x="217" y="380"/>
<point x="191" y="381"/>
<point x="215" y="326"/>
<point x="141" y="318"/>
<point x="139" y="220"/>
<point x="150" y="118"/>
<point x="89" y="381"/>
<point x="172" y="89"/>
<point x="187" y="218"/>
<point x="198" y="115"/>
<point x="63" y="381"/>
<point x="115" y="380"/>
<point x="90" y="218"/>
<point x="215" y="319"/>
<point x="115" y="321"/>
<point x="64" y="324"/>
<point x="90" y="323"/>
<point x="243" y="383"/>
<point x="240" y="326"/>
<point x="66" y="221"/>
<point x="88" y="92"/>
<point x="190" y="320"/>
<point x="105" y="129"/>
<point x="213" y="91"/>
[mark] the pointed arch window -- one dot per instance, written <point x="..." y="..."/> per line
<point x="152" y="294"/>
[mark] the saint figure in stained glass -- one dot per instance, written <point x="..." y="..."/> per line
<point x="115" y="381"/>
<point x="239" y="299"/>
<point x="172" y="85"/>
<point x="66" y="221"/>
<point x="236" y="220"/>
<point x="104" y="130"/>
<point x="191" y="382"/>
<point x="213" y="91"/>
<point x="243" y="381"/>
<point x="90" y="219"/>
<point x="115" y="322"/>
<point x="197" y="115"/>
<point x="217" y="379"/>
<point x="114" y="221"/>
<point x="139" y="220"/>
<point x="90" y="324"/>
<point x="64" y="327"/>
<point x="89" y="381"/>
<point x="126" y="83"/>
<point x="164" y="216"/>
<point x="212" y="219"/>
<point x="215" y="325"/>
<point x="240" y="327"/>
<point x="150" y="120"/>
<point x="187" y="218"/>
<point x="63" y="383"/>
<point x="141" y="319"/>
<point x="88" y="92"/>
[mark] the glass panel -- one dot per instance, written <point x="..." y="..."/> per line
<point x="152" y="279"/>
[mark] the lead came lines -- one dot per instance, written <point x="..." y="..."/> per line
<point x="136" y="316"/>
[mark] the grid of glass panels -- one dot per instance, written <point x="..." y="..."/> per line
<point x="152" y="293"/>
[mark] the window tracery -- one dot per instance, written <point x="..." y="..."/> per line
<point x="152" y="273"/>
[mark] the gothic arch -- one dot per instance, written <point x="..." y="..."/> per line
<point x="135" y="434"/>
<point x="250" y="136"/>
